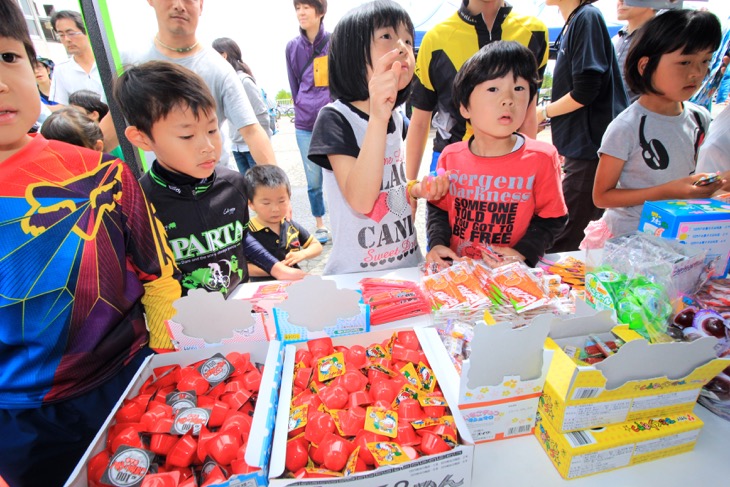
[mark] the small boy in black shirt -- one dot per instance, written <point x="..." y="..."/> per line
<point x="269" y="196"/>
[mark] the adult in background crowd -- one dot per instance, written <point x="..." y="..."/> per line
<point x="43" y="70"/>
<point x="587" y="96"/>
<point x="231" y="52"/>
<point x="79" y="71"/>
<point x="175" y="41"/>
<point x="306" y="65"/>
<point x="444" y="49"/>
<point x="635" y="18"/>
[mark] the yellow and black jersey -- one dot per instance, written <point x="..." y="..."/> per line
<point x="447" y="46"/>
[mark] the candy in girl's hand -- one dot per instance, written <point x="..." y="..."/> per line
<point x="440" y="171"/>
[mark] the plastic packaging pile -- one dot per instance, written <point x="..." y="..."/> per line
<point x="709" y="315"/>
<point x="642" y="278"/>
<point x="470" y="291"/>
<point x="393" y="299"/>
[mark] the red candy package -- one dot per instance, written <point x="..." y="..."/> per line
<point x="392" y="300"/>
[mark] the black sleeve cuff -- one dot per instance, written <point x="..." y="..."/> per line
<point x="438" y="229"/>
<point x="540" y="235"/>
<point x="257" y="254"/>
<point x="586" y="87"/>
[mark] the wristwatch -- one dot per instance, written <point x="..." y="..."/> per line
<point x="545" y="113"/>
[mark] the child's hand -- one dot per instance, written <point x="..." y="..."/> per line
<point x="292" y="258"/>
<point x="440" y="252"/>
<point x="383" y="85"/>
<point x="281" y="272"/>
<point x="507" y="254"/>
<point x="433" y="187"/>
<point x="685" y="188"/>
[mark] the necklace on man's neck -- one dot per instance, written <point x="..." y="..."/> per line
<point x="181" y="50"/>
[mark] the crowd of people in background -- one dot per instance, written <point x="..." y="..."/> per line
<point x="91" y="259"/>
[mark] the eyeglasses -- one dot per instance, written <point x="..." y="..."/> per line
<point x="69" y="34"/>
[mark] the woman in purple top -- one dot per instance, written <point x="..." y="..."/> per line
<point x="306" y="64"/>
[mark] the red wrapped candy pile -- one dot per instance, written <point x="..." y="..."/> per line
<point x="188" y="426"/>
<point x="355" y="409"/>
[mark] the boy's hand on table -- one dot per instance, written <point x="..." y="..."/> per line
<point x="293" y="258"/>
<point x="439" y="253"/>
<point x="504" y="255"/>
<point x="283" y="273"/>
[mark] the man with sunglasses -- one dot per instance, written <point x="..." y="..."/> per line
<point x="79" y="72"/>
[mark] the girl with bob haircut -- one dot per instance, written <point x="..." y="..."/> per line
<point x="359" y="139"/>
<point x="649" y="152"/>
<point x="72" y="126"/>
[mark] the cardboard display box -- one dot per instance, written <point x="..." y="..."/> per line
<point x="316" y="308"/>
<point x="704" y="223"/>
<point x="501" y="383"/>
<point x="588" y="452"/>
<point x="206" y="319"/>
<point x="453" y="467"/>
<point x="640" y="380"/>
<point x="271" y="354"/>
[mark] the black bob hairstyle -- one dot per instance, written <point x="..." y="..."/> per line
<point x="495" y="60"/>
<point x="349" y="55"/>
<point x="690" y="31"/>
<point x="89" y="101"/>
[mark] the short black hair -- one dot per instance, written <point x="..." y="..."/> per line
<point x="89" y="101"/>
<point x="349" y="55"/>
<point x="72" y="126"/>
<point x="14" y="27"/>
<point x="71" y="15"/>
<point x="149" y="92"/>
<point x="691" y="31"/>
<point x="265" y="176"/>
<point x="320" y="6"/>
<point x="495" y="60"/>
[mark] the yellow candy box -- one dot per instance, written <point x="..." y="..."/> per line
<point x="587" y="452"/>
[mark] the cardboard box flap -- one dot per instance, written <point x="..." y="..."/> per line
<point x="316" y="303"/>
<point x="208" y="315"/>
<point x="578" y="325"/>
<point x="500" y="350"/>
<point x="278" y="449"/>
<point x="640" y="360"/>
<point x="262" y="426"/>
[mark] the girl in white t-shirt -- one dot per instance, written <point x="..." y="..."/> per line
<point x="649" y="152"/>
<point x="358" y="140"/>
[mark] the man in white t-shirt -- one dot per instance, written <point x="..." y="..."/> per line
<point x="79" y="71"/>
<point x="176" y="42"/>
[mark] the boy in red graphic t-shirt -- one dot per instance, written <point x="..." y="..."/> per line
<point x="505" y="189"/>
